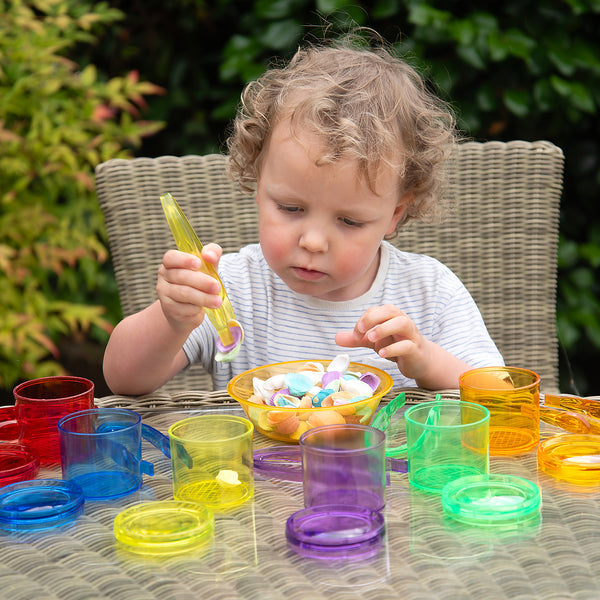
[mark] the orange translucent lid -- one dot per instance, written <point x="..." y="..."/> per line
<point x="574" y="458"/>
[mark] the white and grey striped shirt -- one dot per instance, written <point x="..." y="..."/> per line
<point x="281" y="325"/>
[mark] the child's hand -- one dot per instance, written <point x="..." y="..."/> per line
<point x="393" y="335"/>
<point x="184" y="291"/>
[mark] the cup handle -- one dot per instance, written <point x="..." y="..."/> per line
<point x="146" y="468"/>
<point x="396" y="453"/>
<point x="399" y="452"/>
<point x="570" y="421"/>
<point x="396" y="465"/>
<point x="383" y="417"/>
<point x="382" y="420"/>
<point x="123" y="457"/>
<point x="157" y="439"/>
<point x="161" y="441"/>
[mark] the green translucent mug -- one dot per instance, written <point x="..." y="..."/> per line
<point x="445" y="440"/>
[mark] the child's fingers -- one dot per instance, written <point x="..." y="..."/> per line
<point x="181" y="301"/>
<point x="373" y="327"/>
<point x="212" y="253"/>
<point x="189" y="281"/>
<point x="394" y="328"/>
<point x="175" y="259"/>
<point x="375" y="316"/>
<point x="348" y="339"/>
<point x="397" y="349"/>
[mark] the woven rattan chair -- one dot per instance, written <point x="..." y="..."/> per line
<point x="500" y="237"/>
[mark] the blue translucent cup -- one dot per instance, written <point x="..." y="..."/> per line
<point x="101" y="451"/>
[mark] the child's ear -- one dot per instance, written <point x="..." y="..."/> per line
<point x="401" y="208"/>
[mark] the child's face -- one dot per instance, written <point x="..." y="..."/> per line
<point x="321" y="227"/>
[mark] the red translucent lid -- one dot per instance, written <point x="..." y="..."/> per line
<point x="17" y="463"/>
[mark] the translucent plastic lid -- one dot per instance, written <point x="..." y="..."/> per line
<point x="166" y="527"/>
<point x="490" y="500"/>
<point x="9" y="426"/>
<point x="574" y="458"/>
<point x="17" y="463"/>
<point x="39" y="504"/>
<point x="335" y="531"/>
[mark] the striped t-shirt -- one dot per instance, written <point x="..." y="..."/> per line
<point x="281" y="325"/>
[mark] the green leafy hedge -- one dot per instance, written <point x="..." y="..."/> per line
<point x="57" y="121"/>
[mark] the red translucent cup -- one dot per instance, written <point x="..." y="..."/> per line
<point x="41" y="403"/>
<point x="17" y="463"/>
<point x="9" y="426"/>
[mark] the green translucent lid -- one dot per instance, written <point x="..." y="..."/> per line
<point x="491" y="500"/>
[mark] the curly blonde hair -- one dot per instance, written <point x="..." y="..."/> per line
<point x="365" y="103"/>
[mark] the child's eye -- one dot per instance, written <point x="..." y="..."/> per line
<point x="288" y="208"/>
<point x="351" y="222"/>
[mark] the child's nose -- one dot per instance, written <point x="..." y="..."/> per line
<point x="314" y="239"/>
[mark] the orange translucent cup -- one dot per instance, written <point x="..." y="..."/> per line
<point x="512" y="395"/>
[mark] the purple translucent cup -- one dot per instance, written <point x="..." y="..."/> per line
<point x="344" y="465"/>
<point x="344" y="477"/>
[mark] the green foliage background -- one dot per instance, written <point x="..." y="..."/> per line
<point x="518" y="69"/>
<point x="58" y="119"/>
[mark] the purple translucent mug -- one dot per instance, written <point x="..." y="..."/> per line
<point x="344" y="465"/>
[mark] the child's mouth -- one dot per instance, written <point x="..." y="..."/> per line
<point x="308" y="274"/>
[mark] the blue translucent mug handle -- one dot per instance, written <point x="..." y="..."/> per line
<point x="122" y="456"/>
<point x="157" y="439"/>
<point x="161" y="441"/>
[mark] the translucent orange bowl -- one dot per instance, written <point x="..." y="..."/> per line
<point x="288" y="424"/>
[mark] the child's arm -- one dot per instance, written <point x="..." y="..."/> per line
<point x="393" y="335"/>
<point x="145" y="349"/>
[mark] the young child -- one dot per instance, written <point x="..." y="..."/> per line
<point x="342" y="146"/>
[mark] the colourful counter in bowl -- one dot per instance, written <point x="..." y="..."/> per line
<point x="288" y="424"/>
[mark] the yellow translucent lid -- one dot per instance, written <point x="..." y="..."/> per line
<point x="166" y="527"/>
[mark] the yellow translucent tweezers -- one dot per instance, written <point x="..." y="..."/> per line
<point x="223" y="319"/>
